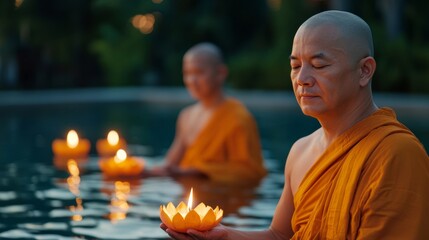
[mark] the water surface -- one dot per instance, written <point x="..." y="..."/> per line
<point x="40" y="199"/>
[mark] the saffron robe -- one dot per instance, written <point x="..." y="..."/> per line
<point x="371" y="183"/>
<point x="228" y="148"/>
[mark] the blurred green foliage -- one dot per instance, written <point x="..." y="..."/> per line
<point x="81" y="43"/>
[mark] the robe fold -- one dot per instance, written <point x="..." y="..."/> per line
<point x="228" y="148"/>
<point x="370" y="183"/>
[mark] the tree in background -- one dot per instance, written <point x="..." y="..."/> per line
<point x="81" y="43"/>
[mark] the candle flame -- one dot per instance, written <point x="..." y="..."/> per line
<point x="113" y="138"/>
<point x="121" y="155"/>
<point x="190" y="200"/>
<point x="72" y="139"/>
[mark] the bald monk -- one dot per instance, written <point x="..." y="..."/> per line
<point x="362" y="174"/>
<point x="216" y="137"/>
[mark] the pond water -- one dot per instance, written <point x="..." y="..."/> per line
<point x="40" y="199"/>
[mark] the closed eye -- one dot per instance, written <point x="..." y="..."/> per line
<point x="320" y="66"/>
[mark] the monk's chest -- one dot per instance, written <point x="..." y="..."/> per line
<point x="303" y="164"/>
<point x="195" y="124"/>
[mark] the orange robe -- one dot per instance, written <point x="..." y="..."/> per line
<point x="371" y="183"/>
<point x="227" y="149"/>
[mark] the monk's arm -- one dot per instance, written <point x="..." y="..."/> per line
<point x="177" y="148"/>
<point x="281" y="224"/>
<point x="174" y="153"/>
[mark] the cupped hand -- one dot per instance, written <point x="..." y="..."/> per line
<point x="217" y="233"/>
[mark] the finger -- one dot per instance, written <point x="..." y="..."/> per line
<point x="212" y="234"/>
<point x="196" y="235"/>
<point x="163" y="226"/>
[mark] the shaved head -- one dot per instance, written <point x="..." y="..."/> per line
<point x="207" y="52"/>
<point x="355" y="34"/>
<point x="332" y="65"/>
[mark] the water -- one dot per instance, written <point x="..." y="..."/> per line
<point x="40" y="199"/>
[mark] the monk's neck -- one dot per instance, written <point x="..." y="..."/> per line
<point x="212" y="103"/>
<point x="334" y="126"/>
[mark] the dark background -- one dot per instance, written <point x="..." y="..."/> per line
<point x="51" y="44"/>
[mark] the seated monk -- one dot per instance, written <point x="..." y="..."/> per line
<point x="216" y="137"/>
<point x="362" y="174"/>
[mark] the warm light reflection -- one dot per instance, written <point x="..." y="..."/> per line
<point x="72" y="139"/>
<point x="73" y="167"/>
<point x="157" y="1"/>
<point x="73" y="182"/>
<point x="144" y="22"/>
<point x="18" y="3"/>
<point x="113" y="138"/>
<point x="121" y="155"/>
<point x="118" y="203"/>
<point x="190" y="200"/>
<point x="77" y="217"/>
<point x="275" y="4"/>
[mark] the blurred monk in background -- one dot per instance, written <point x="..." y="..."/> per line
<point x="362" y="174"/>
<point x="216" y="137"/>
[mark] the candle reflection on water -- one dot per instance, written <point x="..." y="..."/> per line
<point x="73" y="182"/>
<point x="119" y="205"/>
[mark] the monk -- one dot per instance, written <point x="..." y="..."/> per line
<point x="216" y="137"/>
<point x="362" y="174"/>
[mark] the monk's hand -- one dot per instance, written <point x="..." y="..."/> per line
<point x="217" y="233"/>
<point x="158" y="171"/>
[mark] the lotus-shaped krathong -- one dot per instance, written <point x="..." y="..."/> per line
<point x="182" y="218"/>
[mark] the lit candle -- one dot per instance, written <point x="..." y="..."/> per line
<point x="72" y="147"/>
<point x="109" y="146"/>
<point x="121" y="165"/>
<point x="183" y="217"/>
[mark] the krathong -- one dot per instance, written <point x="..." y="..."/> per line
<point x="109" y="146"/>
<point x="183" y="217"/>
<point x="72" y="147"/>
<point x="122" y="165"/>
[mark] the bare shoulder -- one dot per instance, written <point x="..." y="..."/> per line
<point x="300" y="147"/>
<point x="186" y="113"/>
<point x="301" y="157"/>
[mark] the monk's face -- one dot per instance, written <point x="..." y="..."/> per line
<point x="324" y="75"/>
<point x="201" y="76"/>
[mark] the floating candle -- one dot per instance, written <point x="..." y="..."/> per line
<point x="72" y="147"/>
<point x="183" y="217"/>
<point x="109" y="146"/>
<point x="121" y="165"/>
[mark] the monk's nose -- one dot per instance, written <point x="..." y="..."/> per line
<point x="190" y="79"/>
<point x="305" y="76"/>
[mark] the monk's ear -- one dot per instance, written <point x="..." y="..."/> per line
<point x="367" y="67"/>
